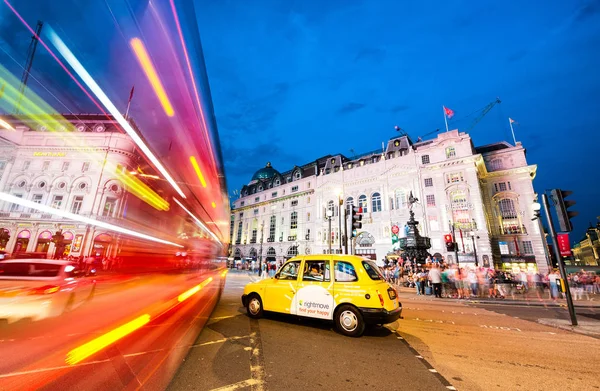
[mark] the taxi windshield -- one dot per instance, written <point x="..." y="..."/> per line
<point x="372" y="270"/>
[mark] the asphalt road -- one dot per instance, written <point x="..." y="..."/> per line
<point x="234" y="352"/>
<point x="484" y="347"/>
<point x="34" y="354"/>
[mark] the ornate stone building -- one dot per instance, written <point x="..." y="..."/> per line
<point x="485" y="193"/>
<point x="69" y="172"/>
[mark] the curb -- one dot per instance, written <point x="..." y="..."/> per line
<point x="574" y="329"/>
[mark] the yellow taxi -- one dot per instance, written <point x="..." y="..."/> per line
<point x="348" y="289"/>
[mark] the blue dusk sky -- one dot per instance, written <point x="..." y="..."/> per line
<point x="294" y="80"/>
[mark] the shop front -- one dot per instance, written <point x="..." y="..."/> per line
<point x="22" y="241"/>
<point x="43" y="242"/>
<point x="100" y="245"/>
<point x="516" y="264"/>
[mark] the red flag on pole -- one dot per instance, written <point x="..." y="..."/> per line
<point x="449" y="112"/>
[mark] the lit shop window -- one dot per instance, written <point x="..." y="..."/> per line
<point x="450" y="152"/>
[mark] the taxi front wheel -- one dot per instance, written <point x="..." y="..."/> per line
<point x="349" y="321"/>
<point x="254" y="306"/>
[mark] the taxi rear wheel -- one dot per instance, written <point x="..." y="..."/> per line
<point x="254" y="306"/>
<point x="349" y="321"/>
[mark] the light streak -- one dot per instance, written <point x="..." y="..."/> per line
<point x="6" y="125"/>
<point x="204" y="227"/>
<point x="146" y="63"/>
<point x="91" y="83"/>
<point x="83" y="219"/>
<point x="84" y="351"/>
<point x="198" y="171"/>
<point x="195" y="88"/>
<point x="213" y="204"/>
<point x="141" y="190"/>
<point x="187" y="294"/>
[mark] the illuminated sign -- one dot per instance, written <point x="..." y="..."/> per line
<point x="76" y="246"/>
<point x="50" y="154"/>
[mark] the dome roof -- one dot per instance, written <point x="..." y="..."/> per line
<point x="266" y="172"/>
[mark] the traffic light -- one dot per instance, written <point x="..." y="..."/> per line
<point x="561" y="205"/>
<point x="356" y="220"/>
<point x="449" y="242"/>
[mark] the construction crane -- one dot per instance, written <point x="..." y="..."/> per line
<point x="30" y="54"/>
<point x="484" y="111"/>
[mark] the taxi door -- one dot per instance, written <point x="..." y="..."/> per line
<point x="315" y="289"/>
<point x="280" y="291"/>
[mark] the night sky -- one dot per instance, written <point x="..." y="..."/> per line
<point x="292" y="81"/>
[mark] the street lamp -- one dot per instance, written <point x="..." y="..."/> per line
<point x="473" y="237"/>
<point x="261" y="249"/>
<point x="340" y="203"/>
<point x="329" y="216"/>
<point x="537" y="216"/>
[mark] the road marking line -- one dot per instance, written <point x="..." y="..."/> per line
<point x="238" y="385"/>
<point x="4" y="375"/>
<point x="432" y="370"/>
<point x="419" y="356"/>
<point x="220" y="341"/>
<point x="451" y="387"/>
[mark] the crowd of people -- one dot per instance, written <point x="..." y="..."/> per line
<point x="442" y="280"/>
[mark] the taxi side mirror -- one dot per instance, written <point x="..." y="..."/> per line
<point x="276" y="276"/>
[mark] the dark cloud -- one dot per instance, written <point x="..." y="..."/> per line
<point x="243" y="160"/>
<point x="399" y="108"/>
<point x="350" y="107"/>
<point x="591" y="9"/>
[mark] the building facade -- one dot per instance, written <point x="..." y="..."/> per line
<point x="485" y="193"/>
<point x="67" y="171"/>
<point x="587" y="250"/>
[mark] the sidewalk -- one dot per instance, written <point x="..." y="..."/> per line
<point x="586" y="327"/>
<point x="519" y="300"/>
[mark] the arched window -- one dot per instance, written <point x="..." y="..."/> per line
<point x="508" y="216"/>
<point x="450" y="152"/>
<point x="362" y="203"/>
<point x="349" y="204"/>
<point x="400" y="199"/>
<point x="376" y="202"/>
<point x="507" y="208"/>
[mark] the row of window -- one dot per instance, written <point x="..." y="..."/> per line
<point x="42" y="184"/>
<point x="47" y="164"/>
<point x="59" y="199"/>
<point x="450" y="153"/>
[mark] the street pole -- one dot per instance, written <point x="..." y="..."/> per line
<point x="345" y="230"/>
<point x="475" y="251"/>
<point x="455" y="248"/>
<point x="340" y="221"/>
<point x="260" y="255"/>
<point x="561" y="265"/>
<point x="329" y="235"/>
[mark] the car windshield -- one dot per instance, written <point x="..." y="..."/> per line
<point x="372" y="270"/>
<point x="28" y="269"/>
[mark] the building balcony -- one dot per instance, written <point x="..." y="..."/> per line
<point x="270" y="240"/>
<point x="513" y="230"/>
<point x="253" y="240"/>
<point x="238" y="242"/>
<point x="292" y="238"/>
